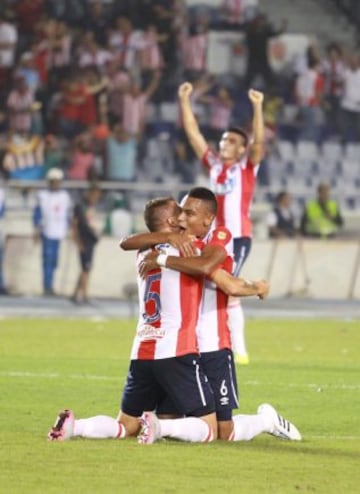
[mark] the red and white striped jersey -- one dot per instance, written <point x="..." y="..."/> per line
<point x="194" y="52"/>
<point x="19" y="105"/>
<point x="220" y="114"/>
<point x="134" y="112"/>
<point x="212" y="330"/>
<point x="234" y="189"/>
<point x="169" y="308"/>
<point x="151" y="57"/>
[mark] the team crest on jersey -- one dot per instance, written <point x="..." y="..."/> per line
<point x="148" y="332"/>
<point x="221" y="235"/>
<point x="224" y="186"/>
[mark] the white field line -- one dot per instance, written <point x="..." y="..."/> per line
<point x="55" y="375"/>
<point x="328" y="438"/>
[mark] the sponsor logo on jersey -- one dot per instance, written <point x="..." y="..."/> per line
<point x="148" y="332"/>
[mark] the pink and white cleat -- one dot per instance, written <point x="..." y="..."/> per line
<point x="150" y="428"/>
<point x="63" y="427"/>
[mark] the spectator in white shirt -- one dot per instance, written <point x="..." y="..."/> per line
<point x="8" y="42"/>
<point x="350" y="101"/>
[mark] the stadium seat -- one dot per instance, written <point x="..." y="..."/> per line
<point x="332" y="150"/>
<point x="307" y="150"/>
<point x="169" y="112"/>
<point x="352" y="151"/>
<point x="286" y="150"/>
<point x="304" y="168"/>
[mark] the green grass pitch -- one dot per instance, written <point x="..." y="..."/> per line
<point x="308" y="369"/>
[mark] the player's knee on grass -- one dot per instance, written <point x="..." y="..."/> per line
<point x="225" y="429"/>
<point x="211" y="421"/>
<point x="131" y="424"/>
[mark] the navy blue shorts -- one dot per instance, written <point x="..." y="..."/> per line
<point x="220" y="370"/>
<point x="181" y="379"/>
<point x="241" y="248"/>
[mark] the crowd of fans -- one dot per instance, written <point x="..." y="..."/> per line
<point x="78" y="79"/>
<point x="90" y="87"/>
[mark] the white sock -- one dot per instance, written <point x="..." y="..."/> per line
<point x="248" y="426"/>
<point x="99" y="427"/>
<point x="191" y="429"/>
<point x="236" y="322"/>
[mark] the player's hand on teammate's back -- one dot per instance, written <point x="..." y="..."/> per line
<point x="183" y="242"/>
<point x="185" y="89"/>
<point x="256" y="97"/>
<point x="148" y="263"/>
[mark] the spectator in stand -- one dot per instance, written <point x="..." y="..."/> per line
<point x="166" y="14"/>
<point x="87" y="230"/>
<point x="309" y="91"/>
<point x="78" y="105"/>
<point x="39" y="51"/>
<point x="8" y="43"/>
<point x="321" y="216"/>
<point x="135" y="101"/>
<point x="20" y="105"/>
<point x="51" y="221"/>
<point x="258" y="32"/>
<point x="27" y="70"/>
<point x="94" y="55"/>
<point x="273" y="105"/>
<point x="233" y="14"/>
<point x="59" y="40"/>
<point x="125" y="43"/>
<point x="118" y="82"/>
<point x="350" y="101"/>
<point x="54" y="153"/>
<point x="28" y="14"/>
<point x="98" y="21"/>
<point x="333" y="68"/>
<point x="120" y="155"/>
<point x="220" y="107"/>
<point x="150" y="53"/>
<point x="82" y="160"/>
<point x="194" y="48"/>
<point x="281" y="220"/>
<point x="72" y="95"/>
<point x="24" y="157"/>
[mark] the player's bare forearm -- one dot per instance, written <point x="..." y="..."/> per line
<point x="257" y="146"/>
<point x="239" y="287"/>
<point x="191" y="127"/>
<point x="140" y="241"/>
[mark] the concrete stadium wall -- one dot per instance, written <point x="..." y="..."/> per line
<point x="314" y="268"/>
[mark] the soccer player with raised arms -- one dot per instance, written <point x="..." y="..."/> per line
<point x="232" y="178"/>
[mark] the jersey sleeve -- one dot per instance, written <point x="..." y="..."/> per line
<point x="220" y="236"/>
<point x="209" y="158"/>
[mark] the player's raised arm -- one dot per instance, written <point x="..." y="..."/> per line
<point x="257" y="145"/>
<point x="191" y="127"/>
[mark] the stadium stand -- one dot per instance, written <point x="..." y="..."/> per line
<point x="81" y="91"/>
